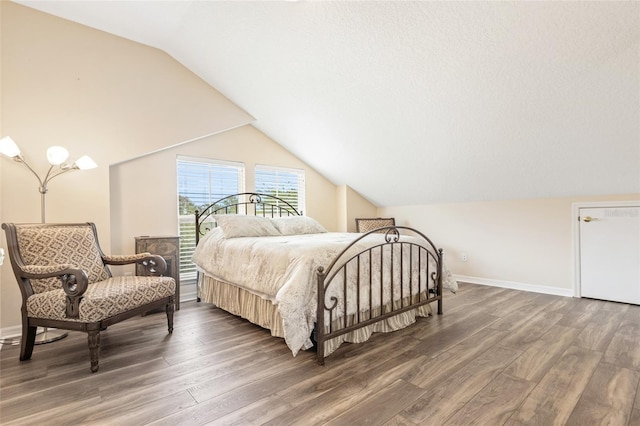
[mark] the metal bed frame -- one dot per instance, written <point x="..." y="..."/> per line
<point x="423" y="277"/>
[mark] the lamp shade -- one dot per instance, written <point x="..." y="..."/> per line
<point x="57" y="155"/>
<point x="8" y="147"/>
<point x="85" y="163"/>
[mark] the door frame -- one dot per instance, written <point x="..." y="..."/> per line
<point x="575" y="219"/>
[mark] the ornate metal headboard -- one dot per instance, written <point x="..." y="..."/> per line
<point x="247" y="203"/>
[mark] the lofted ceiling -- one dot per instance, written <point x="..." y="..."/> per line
<point x="417" y="102"/>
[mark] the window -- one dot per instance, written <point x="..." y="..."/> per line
<point x="200" y="183"/>
<point x="287" y="184"/>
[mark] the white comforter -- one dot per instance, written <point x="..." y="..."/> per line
<point x="281" y="269"/>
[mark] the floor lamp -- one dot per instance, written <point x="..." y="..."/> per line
<point x="56" y="156"/>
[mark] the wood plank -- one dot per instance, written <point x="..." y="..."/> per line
<point x="257" y="413"/>
<point x="434" y="370"/>
<point x="494" y="404"/>
<point x="326" y="405"/>
<point x="531" y="331"/>
<point x="450" y="336"/>
<point x="608" y="398"/>
<point x="383" y="360"/>
<point x="472" y="299"/>
<point x="515" y="320"/>
<point x="617" y="307"/>
<point x="399" y="420"/>
<point x="513" y="302"/>
<point x="553" y="400"/>
<point x="256" y="372"/>
<point x="14" y="406"/>
<point x="469" y="295"/>
<point x="543" y="354"/>
<point x="39" y="418"/>
<point x="632" y="312"/>
<point x="576" y="319"/>
<point x="556" y="304"/>
<point x="274" y="377"/>
<point x="600" y="329"/>
<point x="345" y="392"/>
<point x="381" y="406"/>
<point x="134" y="409"/>
<point x="624" y="349"/>
<point x="439" y="403"/>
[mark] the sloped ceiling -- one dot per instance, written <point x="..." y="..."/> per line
<point x="418" y="102"/>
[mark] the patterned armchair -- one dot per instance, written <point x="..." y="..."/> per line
<point x="369" y="224"/>
<point x="66" y="283"/>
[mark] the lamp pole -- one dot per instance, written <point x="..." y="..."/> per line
<point x="42" y="188"/>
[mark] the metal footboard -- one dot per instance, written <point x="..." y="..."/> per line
<point x="370" y="281"/>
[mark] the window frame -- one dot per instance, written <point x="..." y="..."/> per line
<point x="300" y="202"/>
<point x="187" y="269"/>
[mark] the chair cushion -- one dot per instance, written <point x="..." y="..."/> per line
<point x="63" y="244"/>
<point x="103" y="299"/>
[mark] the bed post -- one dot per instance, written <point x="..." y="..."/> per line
<point x="320" y="317"/>
<point x="197" y="223"/>
<point x="440" y="255"/>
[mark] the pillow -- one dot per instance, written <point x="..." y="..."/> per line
<point x="238" y="225"/>
<point x="294" y="225"/>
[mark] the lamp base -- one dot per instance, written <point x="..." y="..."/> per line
<point x="50" y="335"/>
<point x="12" y="341"/>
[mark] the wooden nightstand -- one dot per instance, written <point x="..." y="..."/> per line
<point x="167" y="247"/>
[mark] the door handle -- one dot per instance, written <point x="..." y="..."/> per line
<point x="588" y="219"/>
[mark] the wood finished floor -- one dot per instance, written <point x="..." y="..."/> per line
<point x="495" y="357"/>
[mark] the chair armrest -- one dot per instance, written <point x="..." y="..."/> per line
<point x="46" y="271"/>
<point x="74" y="282"/>
<point x="124" y="259"/>
<point x="155" y="264"/>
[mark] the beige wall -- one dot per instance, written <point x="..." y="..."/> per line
<point x="518" y="243"/>
<point x="350" y="206"/>
<point x="150" y="207"/>
<point x="96" y="94"/>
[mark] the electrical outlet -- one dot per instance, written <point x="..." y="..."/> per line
<point x="464" y="257"/>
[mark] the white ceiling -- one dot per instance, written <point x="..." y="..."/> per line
<point x="418" y="102"/>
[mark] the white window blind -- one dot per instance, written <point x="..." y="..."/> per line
<point x="201" y="181"/>
<point x="284" y="183"/>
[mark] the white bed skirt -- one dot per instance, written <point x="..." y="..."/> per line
<point x="264" y="313"/>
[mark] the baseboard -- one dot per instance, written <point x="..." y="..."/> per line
<point x="556" y="291"/>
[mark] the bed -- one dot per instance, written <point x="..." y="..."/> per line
<point x="259" y="258"/>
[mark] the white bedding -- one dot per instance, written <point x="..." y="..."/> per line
<point x="282" y="269"/>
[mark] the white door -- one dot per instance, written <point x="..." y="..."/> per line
<point x="610" y="253"/>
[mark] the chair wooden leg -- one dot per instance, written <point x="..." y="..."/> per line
<point x="170" y="309"/>
<point x="28" y="340"/>
<point x="94" y="348"/>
